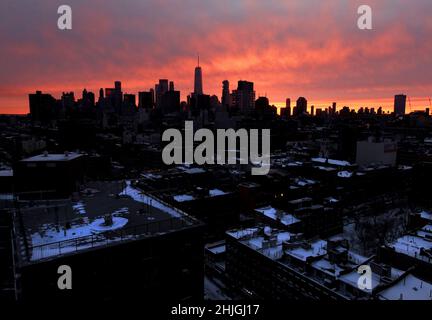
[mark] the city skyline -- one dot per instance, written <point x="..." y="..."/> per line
<point x="326" y="59"/>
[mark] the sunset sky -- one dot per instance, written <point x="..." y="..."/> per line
<point x="289" y="48"/>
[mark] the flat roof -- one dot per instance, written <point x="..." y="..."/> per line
<point x="278" y="215"/>
<point x="6" y="173"/>
<point x="353" y="277"/>
<point x="334" y="269"/>
<point x="426" y="215"/>
<point x="194" y="195"/>
<point x="309" y="250"/>
<point x="263" y="245"/>
<point x="217" y="248"/>
<point x="408" y="288"/>
<point x="412" y="245"/>
<point x="105" y="212"/>
<point x="54" y="157"/>
<point x="340" y="163"/>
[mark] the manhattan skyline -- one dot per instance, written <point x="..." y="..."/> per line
<point x="287" y="49"/>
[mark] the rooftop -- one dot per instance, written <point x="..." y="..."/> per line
<point x="408" y="288"/>
<point x="54" y="157"/>
<point x="353" y="277"/>
<point x="337" y="264"/>
<point x="278" y="215"/>
<point x="335" y="269"/>
<point x="216" y="248"/>
<point x="199" y="193"/>
<point x="339" y="163"/>
<point x="103" y="213"/>
<point x="308" y="250"/>
<point x="415" y="246"/>
<point x="6" y="173"/>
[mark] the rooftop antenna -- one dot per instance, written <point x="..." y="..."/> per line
<point x="198" y="59"/>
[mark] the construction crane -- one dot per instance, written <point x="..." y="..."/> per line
<point x="409" y="101"/>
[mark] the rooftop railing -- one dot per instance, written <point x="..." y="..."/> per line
<point x="54" y="249"/>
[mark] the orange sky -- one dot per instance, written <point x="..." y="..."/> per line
<point x="287" y="48"/>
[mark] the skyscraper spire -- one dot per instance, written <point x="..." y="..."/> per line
<point x="198" y="85"/>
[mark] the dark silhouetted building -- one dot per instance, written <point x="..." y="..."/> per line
<point x="146" y="99"/>
<point x="244" y="96"/>
<point x="198" y="80"/>
<point x="400" y="104"/>
<point x="41" y="106"/>
<point x="116" y="239"/>
<point x="301" y="107"/>
<point x="226" y="96"/>
<point x="160" y="90"/>
<point x="53" y="175"/>
<point x="170" y="101"/>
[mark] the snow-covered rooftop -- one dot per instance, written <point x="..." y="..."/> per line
<point x="345" y="174"/>
<point x="184" y="197"/>
<point x="353" y="277"/>
<point x="6" y="173"/>
<point x="334" y="269"/>
<point x="191" y="170"/>
<point x="339" y="163"/>
<point x="312" y="249"/>
<point x="412" y="245"/>
<point x="278" y="215"/>
<point x="66" y="226"/>
<point x="408" y="288"/>
<point x="54" y="157"/>
<point x="426" y="215"/>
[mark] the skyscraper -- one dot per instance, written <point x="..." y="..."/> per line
<point x="117" y="85"/>
<point x="117" y="97"/>
<point x="198" y="85"/>
<point x="146" y="99"/>
<point x="288" y="104"/>
<point x="41" y="106"/>
<point x="301" y="107"/>
<point x="400" y="104"/>
<point x="101" y="94"/>
<point x="226" y="97"/>
<point x="160" y="90"/>
<point x="244" y="96"/>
